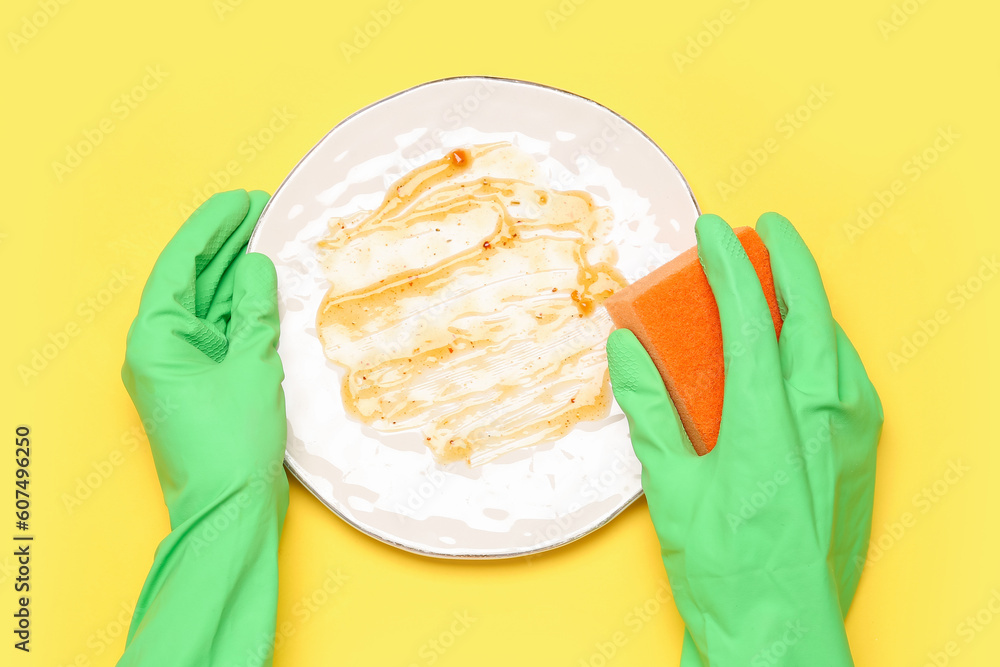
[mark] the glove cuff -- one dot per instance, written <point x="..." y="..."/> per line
<point x="759" y="618"/>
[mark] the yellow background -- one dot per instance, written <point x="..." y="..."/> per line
<point x="226" y="67"/>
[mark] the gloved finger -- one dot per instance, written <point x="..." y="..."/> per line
<point x="171" y="283"/>
<point x="209" y="277"/>
<point x="749" y="355"/>
<point x="253" y="325"/>
<point x="167" y="329"/>
<point x="669" y="461"/>
<point x="222" y="299"/>
<point x="165" y="341"/>
<point x="808" y="339"/>
<point x="750" y="348"/>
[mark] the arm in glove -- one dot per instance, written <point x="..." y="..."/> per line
<point x="761" y="537"/>
<point x="202" y="369"/>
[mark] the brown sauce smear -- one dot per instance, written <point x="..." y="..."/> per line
<point x="466" y="306"/>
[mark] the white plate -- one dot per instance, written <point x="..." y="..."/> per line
<point x="389" y="486"/>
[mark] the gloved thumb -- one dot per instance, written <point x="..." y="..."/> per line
<point x="253" y="325"/>
<point x="658" y="436"/>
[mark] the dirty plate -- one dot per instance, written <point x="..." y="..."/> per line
<point x="389" y="485"/>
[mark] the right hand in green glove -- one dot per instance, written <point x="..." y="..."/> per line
<point x="202" y="368"/>
<point x="761" y="538"/>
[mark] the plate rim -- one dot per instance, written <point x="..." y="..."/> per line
<point x="293" y="466"/>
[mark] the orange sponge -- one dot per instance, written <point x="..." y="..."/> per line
<point x="674" y="315"/>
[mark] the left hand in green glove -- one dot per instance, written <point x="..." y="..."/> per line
<point x="755" y="534"/>
<point x="202" y="368"/>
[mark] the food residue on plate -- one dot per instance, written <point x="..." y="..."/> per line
<point x="465" y="305"/>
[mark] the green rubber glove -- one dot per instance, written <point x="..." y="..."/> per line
<point x="202" y="368"/>
<point x="844" y="474"/>
<point x="760" y="536"/>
